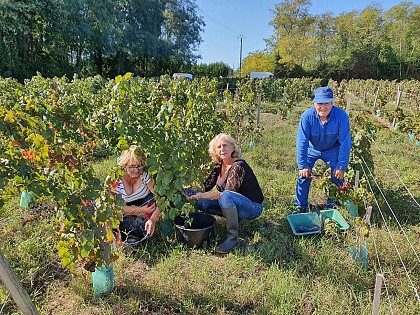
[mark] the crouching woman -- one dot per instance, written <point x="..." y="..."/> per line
<point x="136" y="189"/>
<point x="238" y="194"/>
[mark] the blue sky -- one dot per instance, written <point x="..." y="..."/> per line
<point x="226" y="20"/>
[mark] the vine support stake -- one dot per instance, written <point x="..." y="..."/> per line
<point x="18" y="293"/>
<point x="376" y="97"/>
<point x="258" y="109"/>
<point x="348" y="106"/>
<point x="368" y="214"/>
<point x="284" y="97"/>
<point x="357" y="180"/>
<point x="377" y="294"/>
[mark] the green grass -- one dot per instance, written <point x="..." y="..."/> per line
<point x="273" y="272"/>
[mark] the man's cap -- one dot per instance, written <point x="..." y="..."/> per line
<point x="323" y="95"/>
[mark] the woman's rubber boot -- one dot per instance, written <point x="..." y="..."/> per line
<point x="232" y="225"/>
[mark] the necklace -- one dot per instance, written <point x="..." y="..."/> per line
<point x="226" y="167"/>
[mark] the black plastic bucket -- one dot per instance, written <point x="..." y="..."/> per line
<point x="200" y="230"/>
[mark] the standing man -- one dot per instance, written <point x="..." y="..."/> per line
<point x="323" y="133"/>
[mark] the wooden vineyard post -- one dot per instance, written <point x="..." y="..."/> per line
<point x="258" y="109"/>
<point x="259" y="97"/>
<point x="348" y="106"/>
<point x="18" y="293"/>
<point x="365" y="94"/>
<point x="357" y="180"/>
<point x="397" y="99"/>
<point x="397" y="103"/>
<point x="376" y="97"/>
<point x="377" y="294"/>
<point x="284" y="97"/>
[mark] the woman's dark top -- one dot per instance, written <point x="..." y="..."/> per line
<point x="239" y="178"/>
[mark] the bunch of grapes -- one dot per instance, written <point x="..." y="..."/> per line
<point x="345" y="187"/>
<point x="190" y="191"/>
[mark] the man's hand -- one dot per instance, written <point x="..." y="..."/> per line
<point x="338" y="174"/>
<point x="306" y="172"/>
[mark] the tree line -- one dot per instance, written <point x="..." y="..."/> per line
<point x="362" y="44"/>
<point x="107" y="37"/>
<point x="155" y="37"/>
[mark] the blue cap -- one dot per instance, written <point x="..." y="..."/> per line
<point x="323" y="95"/>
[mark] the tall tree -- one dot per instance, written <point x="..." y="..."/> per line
<point x="292" y="24"/>
<point x="23" y="32"/>
<point x="181" y="29"/>
<point x="259" y="61"/>
<point x="401" y="42"/>
<point x="108" y="37"/>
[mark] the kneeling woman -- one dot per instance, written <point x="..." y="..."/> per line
<point x="238" y="193"/>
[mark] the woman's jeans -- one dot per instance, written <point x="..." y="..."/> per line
<point x="247" y="209"/>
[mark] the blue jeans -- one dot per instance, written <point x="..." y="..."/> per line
<point x="247" y="209"/>
<point x="303" y="184"/>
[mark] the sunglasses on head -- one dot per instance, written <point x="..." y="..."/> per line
<point x="134" y="167"/>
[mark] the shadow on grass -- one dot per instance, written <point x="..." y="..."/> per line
<point x="317" y="257"/>
<point x="154" y="302"/>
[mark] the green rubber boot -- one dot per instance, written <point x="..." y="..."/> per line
<point x="232" y="225"/>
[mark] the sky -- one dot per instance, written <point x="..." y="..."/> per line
<point x="229" y="20"/>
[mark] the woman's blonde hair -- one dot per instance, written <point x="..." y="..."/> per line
<point x="213" y="145"/>
<point x="132" y="156"/>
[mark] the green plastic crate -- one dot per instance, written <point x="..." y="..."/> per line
<point x="306" y="220"/>
<point x="310" y="219"/>
<point x="335" y="215"/>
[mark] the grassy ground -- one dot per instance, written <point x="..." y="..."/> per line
<point x="273" y="272"/>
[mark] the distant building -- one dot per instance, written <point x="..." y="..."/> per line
<point x="261" y="75"/>
<point x="183" y="75"/>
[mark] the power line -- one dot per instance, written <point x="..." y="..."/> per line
<point x="212" y="18"/>
<point x="220" y="31"/>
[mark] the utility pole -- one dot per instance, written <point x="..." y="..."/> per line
<point x="240" y="56"/>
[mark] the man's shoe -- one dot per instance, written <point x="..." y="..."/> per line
<point x="333" y="204"/>
<point x="301" y="209"/>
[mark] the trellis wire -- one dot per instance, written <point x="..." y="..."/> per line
<point x="392" y="211"/>
<point x="377" y="257"/>
<point x="26" y="213"/>
<point x="389" y="232"/>
<point x="4" y="304"/>
<point x="398" y="176"/>
<point x="27" y="277"/>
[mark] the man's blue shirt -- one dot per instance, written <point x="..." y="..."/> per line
<point x="333" y="135"/>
